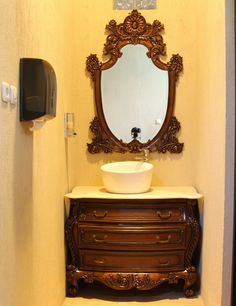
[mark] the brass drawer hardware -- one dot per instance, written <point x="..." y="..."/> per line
<point x="162" y="215"/>
<point x="163" y="241"/>
<point x="103" y="215"/>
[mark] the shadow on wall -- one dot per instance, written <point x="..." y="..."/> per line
<point x="23" y="215"/>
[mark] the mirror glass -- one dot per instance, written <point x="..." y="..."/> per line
<point x="134" y="95"/>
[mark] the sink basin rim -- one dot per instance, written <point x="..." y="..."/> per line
<point x="123" y="167"/>
<point x="127" y="177"/>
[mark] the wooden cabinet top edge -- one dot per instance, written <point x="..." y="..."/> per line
<point x="155" y="192"/>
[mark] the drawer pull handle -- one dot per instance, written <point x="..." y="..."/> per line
<point x="100" y="216"/>
<point x="99" y="261"/>
<point x="164" y="263"/>
<point x="164" y="216"/>
<point x="163" y="241"/>
<point x="99" y="240"/>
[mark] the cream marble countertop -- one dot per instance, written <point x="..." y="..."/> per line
<point x="155" y="192"/>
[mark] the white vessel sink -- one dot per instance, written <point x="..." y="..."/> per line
<point x="127" y="176"/>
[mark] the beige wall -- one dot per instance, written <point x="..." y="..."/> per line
<point x="33" y="166"/>
<point x="211" y="144"/>
<point x="214" y="176"/>
<point x="35" y="171"/>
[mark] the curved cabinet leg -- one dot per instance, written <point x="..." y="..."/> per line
<point x="190" y="281"/>
<point x="189" y="292"/>
<point x="72" y="277"/>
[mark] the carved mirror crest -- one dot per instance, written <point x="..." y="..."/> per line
<point x="134" y="90"/>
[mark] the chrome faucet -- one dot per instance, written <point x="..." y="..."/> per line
<point x="144" y="156"/>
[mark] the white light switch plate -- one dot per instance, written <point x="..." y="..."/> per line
<point x="5" y="92"/>
<point x="13" y="94"/>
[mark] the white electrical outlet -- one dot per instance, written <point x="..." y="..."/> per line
<point x="5" y="92"/>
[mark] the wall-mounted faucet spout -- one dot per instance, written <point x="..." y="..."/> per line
<point x="144" y="156"/>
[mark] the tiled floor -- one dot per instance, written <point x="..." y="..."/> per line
<point x="97" y="295"/>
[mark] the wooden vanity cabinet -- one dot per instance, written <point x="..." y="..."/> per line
<point x="132" y="243"/>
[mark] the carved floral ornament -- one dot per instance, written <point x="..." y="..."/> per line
<point x="126" y="281"/>
<point x="134" y="30"/>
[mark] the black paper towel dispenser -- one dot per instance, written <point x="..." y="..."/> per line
<point x="38" y="90"/>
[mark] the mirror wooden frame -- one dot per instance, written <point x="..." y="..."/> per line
<point x="134" y="30"/>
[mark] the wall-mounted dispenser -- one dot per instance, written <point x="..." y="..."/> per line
<point x="69" y="125"/>
<point x="38" y="91"/>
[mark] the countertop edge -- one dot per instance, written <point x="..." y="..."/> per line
<point x="156" y="192"/>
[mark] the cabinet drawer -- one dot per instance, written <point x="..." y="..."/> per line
<point x="131" y="238"/>
<point x="132" y="212"/>
<point x="131" y="261"/>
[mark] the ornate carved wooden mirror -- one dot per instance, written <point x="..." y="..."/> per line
<point x="134" y="90"/>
